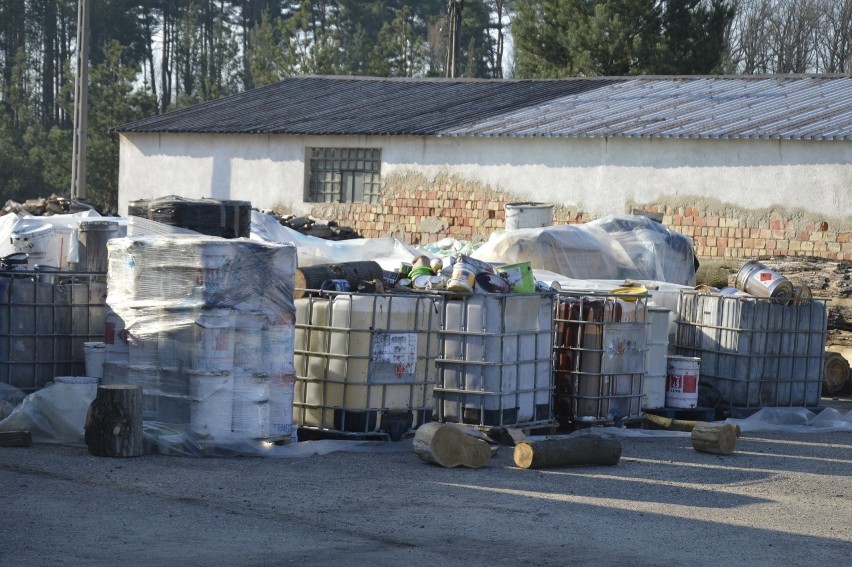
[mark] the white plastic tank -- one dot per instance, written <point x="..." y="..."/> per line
<point x="496" y="365"/>
<point x="654" y="383"/>
<point x="365" y="363"/>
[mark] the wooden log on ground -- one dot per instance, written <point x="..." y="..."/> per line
<point x="15" y="439"/>
<point x="567" y="451"/>
<point x="836" y="375"/>
<point x="114" y="421"/>
<point x="450" y="445"/>
<point x="312" y="277"/>
<point x="716" y="438"/>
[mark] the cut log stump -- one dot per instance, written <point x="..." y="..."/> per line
<point x="717" y="438"/>
<point x="114" y="421"/>
<point x="567" y="451"/>
<point x="451" y="445"/>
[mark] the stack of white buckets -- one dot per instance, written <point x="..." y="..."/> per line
<point x="206" y="327"/>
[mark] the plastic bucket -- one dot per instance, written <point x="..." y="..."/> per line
<point x="212" y="346"/>
<point x="251" y="411"/>
<point x="682" y="381"/>
<point x="94" y="353"/>
<point x="519" y="276"/>
<point x="761" y="281"/>
<point x="211" y="401"/>
<point x="528" y="215"/>
<point x="277" y="348"/>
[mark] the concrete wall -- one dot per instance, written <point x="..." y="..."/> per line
<point x="737" y="198"/>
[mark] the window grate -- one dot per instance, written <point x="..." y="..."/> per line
<point x="344" y="175"/>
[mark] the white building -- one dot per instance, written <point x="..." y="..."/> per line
<point x="731" y="148"/>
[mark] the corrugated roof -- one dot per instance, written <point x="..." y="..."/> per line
<point x="773" y="107"/>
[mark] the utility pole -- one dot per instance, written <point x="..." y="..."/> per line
<point x="455" y="9"/>
<point x="81" y="102"/>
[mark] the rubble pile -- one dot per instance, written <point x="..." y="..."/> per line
<point x="43" y="207"/>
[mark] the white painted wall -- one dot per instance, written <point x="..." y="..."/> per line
<point x="596" y="175"/>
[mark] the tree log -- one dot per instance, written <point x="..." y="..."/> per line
<point x="717" y="438"/>
<point x="114" y="421"/>
<point x="312" y="277"/>
<point x="836" y="373"/>
<point x="567" y="451"/>
<point x="450" y="445"/>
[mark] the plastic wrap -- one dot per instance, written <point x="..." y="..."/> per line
<point x="611" y="248"/>
<point x="388" y="252"/>
<point x="205" y="325"/>
<point x="225" y="218"/>
<point x="54" y="414"/>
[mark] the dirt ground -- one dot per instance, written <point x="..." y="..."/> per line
<point x="827" y="279"/>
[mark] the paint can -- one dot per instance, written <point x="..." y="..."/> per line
<point x="422" y="282"/>
<point x="405" y="269"/>
<point x="760" y="281"/>
<point x="682" y="381"/>
<point x="464" y="278"/>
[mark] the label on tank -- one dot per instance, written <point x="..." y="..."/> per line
<point x="393" y="358"/>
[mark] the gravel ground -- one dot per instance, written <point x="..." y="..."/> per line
<point x="781" y="499"/>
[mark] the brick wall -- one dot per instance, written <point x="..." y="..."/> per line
<point x="418" y="212"/>
<point x="740" y="234"/>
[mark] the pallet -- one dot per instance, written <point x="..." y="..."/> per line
<point x="685" y="414"/>
<point x="315" y="434"/>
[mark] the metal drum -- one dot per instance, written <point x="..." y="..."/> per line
<point x="760" y="281"/>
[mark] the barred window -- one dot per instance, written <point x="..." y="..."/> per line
<point x="343" y="175"/>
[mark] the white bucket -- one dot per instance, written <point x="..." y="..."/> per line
<point x="212" y="348"/>
<point x="214" y="268"/>
<point x="682" y="374"/>
<point x="94" y="353"/>
<point x="528" y="215"/>
<point x="211" y="401"/>
<point x="278" y="348"/>
<point x="251" y="418"/>
<point x="248" y="341"/>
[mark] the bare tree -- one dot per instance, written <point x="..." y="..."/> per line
<point x="834" y="38"/>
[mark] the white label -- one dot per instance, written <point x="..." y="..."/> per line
<point x="393" y="358"/>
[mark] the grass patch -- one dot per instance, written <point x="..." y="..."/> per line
<point x="715" y="273"/>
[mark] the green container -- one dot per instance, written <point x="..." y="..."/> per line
<point x="520" y="277"/>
